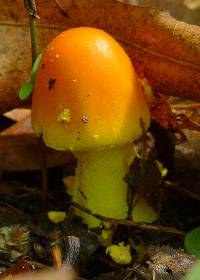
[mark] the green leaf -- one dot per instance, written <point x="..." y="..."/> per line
<point x="25" y="91"/>
<point x="35" y="67"/>
<point x="27" y="88"/>
<point x="194" y="273"/>
<point x="192" y="242"/>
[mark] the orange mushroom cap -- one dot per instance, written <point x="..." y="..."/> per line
<point x="86" y="93"/>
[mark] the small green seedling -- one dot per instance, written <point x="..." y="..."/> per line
<point x="194" y="273"/>
<point x="27" y="88"/>
<point x="192" y="242"/>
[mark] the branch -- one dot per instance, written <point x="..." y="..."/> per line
<point x="130" y="222"/>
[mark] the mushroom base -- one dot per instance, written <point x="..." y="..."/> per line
<point x="100" y="187"/>
<point x="99" y="184"/>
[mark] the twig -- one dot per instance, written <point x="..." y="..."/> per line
<point x="17" y="211"/>
<point x="193" y="106"/>
<point x="36" y="264"/>
<point x="130" y="222"/>
<point x="129" y="274"/>
<point x="175" y="187"/>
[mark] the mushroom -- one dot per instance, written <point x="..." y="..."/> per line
<point x="87" y="99"/>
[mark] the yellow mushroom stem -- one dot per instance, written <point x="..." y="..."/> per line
<point x="100" y="187"/>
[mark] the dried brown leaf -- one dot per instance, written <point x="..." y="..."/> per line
<point x="163" y="49"/>
<point x="166" y="51"/>
<point x="15" y="49"/>
<point x="162" y="113"/>
<point x="192" y="4"/>
<point x="20" y="149"/>
<point x="168" y="263"/>
<point x="18" y="114"/>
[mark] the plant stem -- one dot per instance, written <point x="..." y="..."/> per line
<point x="30" y="5"/>
<point x="44" y="173"/>
<point x="181" y="190"/>
<point x="32" y="11"/>
<point x="33" y="38"/>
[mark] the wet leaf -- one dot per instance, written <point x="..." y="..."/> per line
<point x="144" y="179"/>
